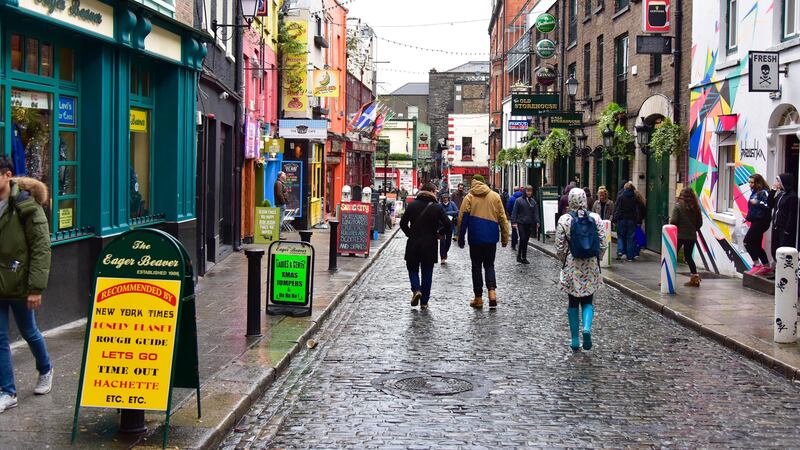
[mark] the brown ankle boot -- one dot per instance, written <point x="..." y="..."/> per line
<point x="477" y="302"/>
<point x="694" y="281"/>
<point x="492" y="298"/>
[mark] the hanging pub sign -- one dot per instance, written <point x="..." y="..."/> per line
<point x="566" y="121"/>
<point x="533" y="104"/>
<point x="518" y="125"/>
<point x="141" y="333"/>
<point x="545" y="23"/>
<point x="764" y="71"/>
<point x="546" y="75"/>
<point x="656" y="16"/>
<point x="291" y="279"/>
<point x="546" y="48"/>
<point x="355" y="221"/>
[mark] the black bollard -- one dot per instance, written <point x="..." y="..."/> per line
<point x="131" y="421"/>
<point x="305" y="236"/>
<point x="254" y="291"/>
<point x="332" y="252"/>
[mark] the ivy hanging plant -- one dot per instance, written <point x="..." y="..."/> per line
<point x="531" y="148"/>
<point x="623" y="145"/>
<point x="500" y="161"/>
<point x="612" y="116"/>
<point x="557" y="144"/>
<point x="667" y="139"/>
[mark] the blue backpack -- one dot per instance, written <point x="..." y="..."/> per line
<point x="583" y="240"/>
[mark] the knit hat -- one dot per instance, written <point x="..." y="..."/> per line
<point x="479" y="178"/>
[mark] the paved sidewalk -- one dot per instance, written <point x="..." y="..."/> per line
<point x="722" y="309"/>
<point x="234" y="370"/>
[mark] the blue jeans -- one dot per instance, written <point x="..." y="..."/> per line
<point x="26" y="322"/>
<point x="626" y="242"/>
<point x="427" y="278"/>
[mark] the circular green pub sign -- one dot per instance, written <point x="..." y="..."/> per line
<point x="546" y="48"/>
<point x="545" y="23"/>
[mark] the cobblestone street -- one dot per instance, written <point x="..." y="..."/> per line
<point x="507" y="378"/>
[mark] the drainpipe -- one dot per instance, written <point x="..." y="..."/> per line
<point x="238" y="122"/>
<point x="678" y="63"/>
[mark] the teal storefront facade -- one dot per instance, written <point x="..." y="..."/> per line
<point x="97" y="100"/>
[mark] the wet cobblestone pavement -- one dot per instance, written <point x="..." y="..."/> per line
<point x="507" y="378"/>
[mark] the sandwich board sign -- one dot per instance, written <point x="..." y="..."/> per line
<point x="291" y="278"/>
<point x="141" y="322"/>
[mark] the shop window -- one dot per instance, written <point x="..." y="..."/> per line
<point x="66" y="192"/>
<point x="141" y="89"/>
<point x="318" y="181"/>
<point x="16" y="52"/>
<point x="139" y="169"/>
<point x="66" y="67"/>
<point x="31" y="56"/>
<point x="727" y="181"/>
<point x="466" y="148"/>
<point x="46" y="60"/>
<point x="31" y="137"/>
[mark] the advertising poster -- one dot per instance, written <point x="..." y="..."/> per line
<point x="268" y="225"/>
<point x="295" y="82"/>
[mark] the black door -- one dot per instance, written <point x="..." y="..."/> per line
<point x="792" y="156"/>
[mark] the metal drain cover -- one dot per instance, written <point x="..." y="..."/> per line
<point x="434" y="385"/>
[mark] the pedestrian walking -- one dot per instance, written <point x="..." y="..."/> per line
<point x="446" y="238"/>
<point x="626" y="215"/>
<point x="509" y="207"/>
<point x="603" y="206"/>
<point x="563" y="202"/>
<point x="687" y="217"/>
<point x="24" y="270"/>
<point x="580" y="243"/>
<point x="783" y="198"/>
<point x="589" y="197"/>
<point x="525" y="219"/>
<point x="758" y="214"/>
<point x="459" y="195"/>
<point x="423" y="222"/>
<point x="483" y="220"/>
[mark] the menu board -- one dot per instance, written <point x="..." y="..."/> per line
<point x="354" y="228"/>
<point x="294" y="185"/>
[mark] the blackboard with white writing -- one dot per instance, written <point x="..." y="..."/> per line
<point x="354" y="228"/>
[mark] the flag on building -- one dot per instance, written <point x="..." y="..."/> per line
<point x="379" y="121"/>
<point x="359" y="114"/>
<point x="367" y="117"/>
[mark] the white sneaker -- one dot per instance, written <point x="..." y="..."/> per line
<point x="7" y="401"/>
<point x="45" y="383"/>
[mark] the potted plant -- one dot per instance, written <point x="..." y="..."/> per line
<point x="557" y="144"/>
<point x="668" y="138"/>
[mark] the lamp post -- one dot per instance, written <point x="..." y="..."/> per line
<point x="572" y="91"/>
<point x="581" y="139"/>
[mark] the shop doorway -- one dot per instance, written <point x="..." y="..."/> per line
<point x="791" y="157"/>
<point x="657" y="197"/>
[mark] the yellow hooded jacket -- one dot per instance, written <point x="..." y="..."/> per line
<point x="482" y="217"/>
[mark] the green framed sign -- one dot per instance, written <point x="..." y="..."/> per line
<point x="291" y="278"/>
<point x="534" y="104"/>
<point x="567" y="121"/>
<point x="546" y="48"/>
<point x="268" y="225"/>
<point x="141" y="324"/>
<point x="545" y="23"/>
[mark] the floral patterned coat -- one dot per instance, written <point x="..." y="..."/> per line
<point x="579" y="277"/>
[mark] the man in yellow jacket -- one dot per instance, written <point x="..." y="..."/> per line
<point x="483" y="218"/>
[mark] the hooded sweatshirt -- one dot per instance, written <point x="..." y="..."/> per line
<point x="512" y="200"/>
<point x="627" y="206"/>
<point x="784" y="220"/>
<point x="482" y="217"/>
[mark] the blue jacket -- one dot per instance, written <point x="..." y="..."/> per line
<point x="450" y="209"/>
<point x="760" y="211"/>
<point x="511" y="201"/>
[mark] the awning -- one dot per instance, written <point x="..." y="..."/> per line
<point x="726" y="123"/>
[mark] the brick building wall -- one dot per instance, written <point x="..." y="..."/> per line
<point x="454" y="93"/>
<point x="184" y="12"/>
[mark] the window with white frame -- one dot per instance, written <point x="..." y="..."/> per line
<point x="726" y="188"/>
<point x="791" y="19"/>
<point x="229" y="19"/>
<point x="732" y="25"/>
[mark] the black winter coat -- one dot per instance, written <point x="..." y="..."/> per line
<point x="627" y="207"/>
<point x="784" y="219"/>
<point x="422" y="228"/>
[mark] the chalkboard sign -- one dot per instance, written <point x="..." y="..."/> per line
<point x="354" y="228"/>
<point x="294" y="185"/>
<point x="374" y="201"/>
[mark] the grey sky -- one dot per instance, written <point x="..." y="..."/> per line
<point x="466" y="37"/>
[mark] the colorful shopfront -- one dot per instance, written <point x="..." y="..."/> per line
<point x="97" y="101"/>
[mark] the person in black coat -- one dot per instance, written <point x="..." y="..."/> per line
<point x="783" y="200"/>
<point x="423" y="222"/>
<point x="525" y="219"/>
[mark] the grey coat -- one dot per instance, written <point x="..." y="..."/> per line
<point x="609" y="212"/>
<point x="525" y="211"/>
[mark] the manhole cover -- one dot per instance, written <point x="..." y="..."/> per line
<point x="434" y="385"/>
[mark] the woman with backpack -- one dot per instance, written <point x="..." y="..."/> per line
<point x="687" y="217"/>
<point x="580" y="243"/>
<point x="423" y="222"/>
<point x="758" y="214"/>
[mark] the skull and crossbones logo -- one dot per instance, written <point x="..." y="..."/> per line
<point x="779" y="323"/>
<point x="765" y="78"/>
<point x="782" y="284"/>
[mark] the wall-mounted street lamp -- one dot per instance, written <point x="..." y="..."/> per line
<point x="643" y="133"/>
<point x="608" y="137"/>
<point x="572" y="87"/>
